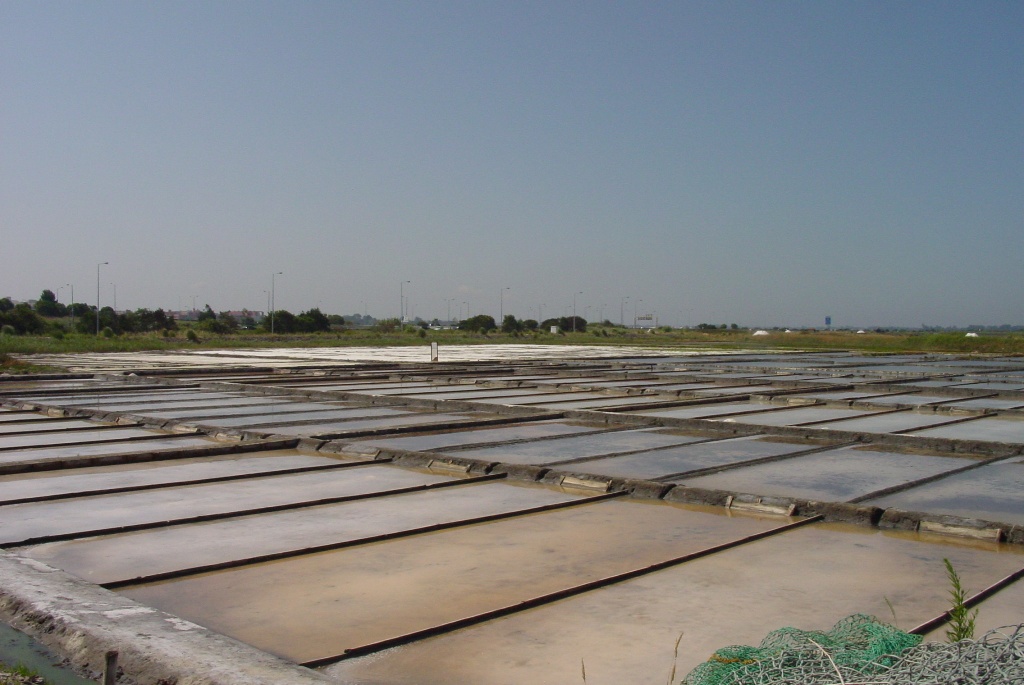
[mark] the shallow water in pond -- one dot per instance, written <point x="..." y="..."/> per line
<point x="18" y="649"/>
<point x="522" y="431"/>
<point x="996" y="429"/>
<point x="319" y="605"/>
<point x="833" y="476"/>
<point x="91" y="479"/>
<point x="71" y="437"/>
<point x="994" y="493"/>
<point x="550" y="451"/>
<point x="123" y="447"/>
<point x="130" y="555"/>
<point x="890" y="423"/>
<point x="51" y="425"/>
<point x="808" y="578"/>
<point x="77" y="515"/>
<point x="661" y="463"/>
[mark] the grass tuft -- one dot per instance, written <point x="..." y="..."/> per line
<point x="961" y="619"/>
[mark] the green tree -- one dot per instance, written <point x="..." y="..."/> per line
<point x="5" y="304"/>
<point x="511" y="324"/>
<point x="386" y="325"/>
<point x="227" y="321"/>
<point x="222" y="324"/>
<point x="110" y="319"/>
<point x="283" y="321"/>
<point x="207" y="315"/>
<point x="80" y="309"/>
<point x="312" y="321"/>
<point x="481" y="323"/>
<point x="157" y="320"/>
<point x="47" y="305"/>
<point x="23" y="319"/>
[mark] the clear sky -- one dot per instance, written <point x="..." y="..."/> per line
<point x="764" y="163"/>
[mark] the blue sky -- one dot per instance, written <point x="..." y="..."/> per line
<point x="764" y="163"/>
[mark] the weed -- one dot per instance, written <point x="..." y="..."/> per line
<point x="961" y="620"/>
<point x="892" y="610"/>
<point x="21" y="674"/>
<point x="675" y="660"/>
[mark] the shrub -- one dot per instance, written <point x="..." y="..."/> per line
<point x="191" y="335"/>
<point x="481" y="323"/>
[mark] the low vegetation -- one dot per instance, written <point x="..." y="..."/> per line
<point x="49" y="327"/>
<point x="961" y="619"/>
<point x="20" y="675"/>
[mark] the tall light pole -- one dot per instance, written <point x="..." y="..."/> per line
<point x="540" y="313"/>
<point x="622" y="310"/>
<point x="72" y="306"/>
<point x="401" y="301"/>
<point x="448" y="301"/>
<point x="273" y="296"/>
<point x="466" y="304"/>
<point x="574" y="310"/>
<point x="114" y="286"/>
<point x="98" y="296"/>
<point x="501" y="306"/>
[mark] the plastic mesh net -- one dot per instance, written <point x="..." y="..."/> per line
<point x="861" y="649"/>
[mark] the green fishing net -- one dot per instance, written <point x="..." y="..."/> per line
<point x="857" y="644"/>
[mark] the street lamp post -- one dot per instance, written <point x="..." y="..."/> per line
<point x="72" y="306"/>
<point x="401" y="301"/>
<point x="622" y="311"/>
<point x="501" y="306"/>
<point x="114" y="286"/>
<point x="273" y="296"/>
<point x="98" y="296"/>
<point x="574" y="310"/>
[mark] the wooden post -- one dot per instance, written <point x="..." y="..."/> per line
<point x="110" y="670"/>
